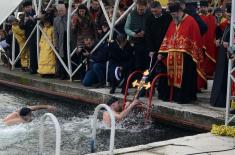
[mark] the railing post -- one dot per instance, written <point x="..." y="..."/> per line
<point x="13" y="49"/>
<point x="38" y="12"/>
<point x="68" y="39"/>
<point x="230" y="66"/>
<point x="41" y="133"/>
<point x="88" y="4"/>
<point x="113" y="19"/>
<point x="94" y="125"/>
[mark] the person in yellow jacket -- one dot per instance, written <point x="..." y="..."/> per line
<point x="47" y="58"/>
<point x="21" y="39"/>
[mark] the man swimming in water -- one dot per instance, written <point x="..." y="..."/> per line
<point x="24" y="115"/>
<point x="116" y="107"/>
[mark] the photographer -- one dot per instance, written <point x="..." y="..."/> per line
<point x="96" y="63"/>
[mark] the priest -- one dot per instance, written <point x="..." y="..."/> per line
<point x="182" y="49"/>
<point x="209" y="39"/>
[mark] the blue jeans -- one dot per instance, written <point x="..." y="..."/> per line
<point x="95" y="74"/>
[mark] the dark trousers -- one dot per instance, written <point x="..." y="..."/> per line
<point x="187" y="92"/>
<point x="60" y="71"/>
<point x="142" y="59"/>
<point x="127" y="69"/>
<point x="95" y="74"/>
<point x="33" y="56"/>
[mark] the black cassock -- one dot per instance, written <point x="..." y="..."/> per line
<point x="188" y="90"/>
<point x="219" y="89"/>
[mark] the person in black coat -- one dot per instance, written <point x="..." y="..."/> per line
<point x="219" y="89"/>
<point x="156" y="26"/>
<point x="120" y="61"/>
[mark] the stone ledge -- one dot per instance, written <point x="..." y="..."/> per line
<point x="198" y="115"/>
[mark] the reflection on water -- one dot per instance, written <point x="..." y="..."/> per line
<point x="75" y="121"/>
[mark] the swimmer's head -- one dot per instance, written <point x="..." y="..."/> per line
<point x="114" y="103"/>
<point x="26" y="114"/>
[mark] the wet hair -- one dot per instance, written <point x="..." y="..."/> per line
<point x="25" y="111"/>
<point x="111" y="101"/>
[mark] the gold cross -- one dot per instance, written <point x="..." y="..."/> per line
<point x="142" y="83"/>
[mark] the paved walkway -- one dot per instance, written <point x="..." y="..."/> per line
<point x="203" y="144"/>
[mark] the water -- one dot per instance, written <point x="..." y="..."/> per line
<point x="75" y="121"/>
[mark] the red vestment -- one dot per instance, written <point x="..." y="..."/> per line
<point x="181" y="39"/>
<point x="209" y="39"/>
<point x="223" y="24"/>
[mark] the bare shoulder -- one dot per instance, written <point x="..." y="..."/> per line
<point x="11" y="116"/>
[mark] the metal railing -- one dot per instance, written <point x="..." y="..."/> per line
<point x="231" y="69"/>
<point x="94" y="126"/>
<point x="37" y="5"/>
<point x="41" y="133"/>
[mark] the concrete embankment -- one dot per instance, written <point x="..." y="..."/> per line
<point x="198" y="115"/>
<point x="203" y="144"/>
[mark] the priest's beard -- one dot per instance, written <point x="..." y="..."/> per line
<point x="177" y="20"/>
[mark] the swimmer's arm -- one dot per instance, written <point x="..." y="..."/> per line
<point x="127" y="104"/>
<point x="40" y="107"/>
<point x="125" y="112"/>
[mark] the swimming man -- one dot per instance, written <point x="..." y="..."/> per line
<point x="24" y="115"/>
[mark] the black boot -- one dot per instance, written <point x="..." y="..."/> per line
<point x="112" y="90"/>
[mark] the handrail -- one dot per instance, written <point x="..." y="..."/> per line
<point x="149" y="106"/>
<point x="41" y="133"/>
<point x="230" y="78"/>
<point x="94" y="125"/>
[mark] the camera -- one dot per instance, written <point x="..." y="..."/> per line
<point x="80" y="49"/>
